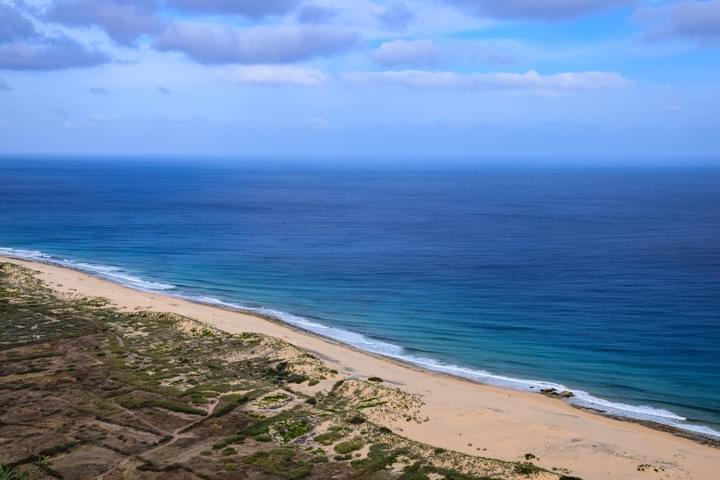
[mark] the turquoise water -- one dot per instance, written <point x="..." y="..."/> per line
<point x="605" y="282"/>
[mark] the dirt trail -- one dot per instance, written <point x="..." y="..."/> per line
<point x="174" y="436"/>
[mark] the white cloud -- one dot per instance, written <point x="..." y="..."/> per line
<point x="397" y="16"/>
<point x="179" y="120"/>
<point x="547" y="10"/>
<point x="248" y="8"/>
<point x="124" y="22"/>
<point x="14" y="25"/>
<point x="49" y="54"/>
<point x="4" y="86"/>
<point x="697" y="20"/>
<point x="311" y="13"/>
<point x="407" y="52"/>
<point x="274" y="75"/>
<point x="449" y="53"/>
<point x="316" y="123"/>
<point x="414" y="18"/>
<point x="530" y="82"/>
<point x="100" y="119"/>
<point x="277" y="44"/>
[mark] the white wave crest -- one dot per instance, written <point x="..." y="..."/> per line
<point x="107" y="272"/>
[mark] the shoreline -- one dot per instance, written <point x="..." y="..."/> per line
<point x="556" y="396"/>
<point x="658" y="419"/>
<point x="654" y="417"/>
<point x="464" y="415"/>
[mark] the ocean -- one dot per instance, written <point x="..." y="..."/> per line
<point x="602" y="281"/>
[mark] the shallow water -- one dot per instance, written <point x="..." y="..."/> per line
<point x="606" y="282"/>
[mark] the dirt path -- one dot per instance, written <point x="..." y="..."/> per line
<point x="174" y="436"/>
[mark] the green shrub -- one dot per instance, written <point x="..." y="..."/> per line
<point x="291" y="428"/>
<point x="229" y="403"/>
<point x="178" y="407"/>
<point x="356" y="419"/>
<point x="228" y="452"/>
<point x="296" y="378"/>
<point x="7" y="473"/>
<point x="331" y="436"/>
<point x="379" y="458"/>
<point x="413" y="472"/>
<point x="281" y="462"/>
<point x="349" y="446"/>
<point x="526" y="469"/>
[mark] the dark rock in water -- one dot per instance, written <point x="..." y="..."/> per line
<point x="554" y="393"/>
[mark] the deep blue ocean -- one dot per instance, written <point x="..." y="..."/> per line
<point x="603" y="281"/>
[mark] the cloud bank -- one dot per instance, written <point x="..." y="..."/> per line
<point x="284" y="44"/>
<point x="124" y="22"/>
<point x="415" y="53"/>
<point x="14" y="25"/>
<point x="547" y="10"/>
<point x="274" y="75"/>
<point x="530" y="82"/>
<point x="695" y="20"/>
<point x="311" y="13"/>
<point x="397" y="16"/>
<point x="247" y="8"/>
<point x="22" y="47"/>
<point x="50" y="54"/>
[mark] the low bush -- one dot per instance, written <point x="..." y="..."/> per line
<point x="349" y="446"/>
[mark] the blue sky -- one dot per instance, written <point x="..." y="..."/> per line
<point x="599" y="80"/>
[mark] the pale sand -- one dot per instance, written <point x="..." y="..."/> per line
<point x="463" y="416"/>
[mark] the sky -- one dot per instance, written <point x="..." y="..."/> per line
<point x="581" y="80"/>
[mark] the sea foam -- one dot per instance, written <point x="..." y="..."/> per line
<point x="106" y="272"/>
<point x="362" y="342"/>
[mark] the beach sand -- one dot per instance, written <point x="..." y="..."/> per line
<point x="462" y="416"/>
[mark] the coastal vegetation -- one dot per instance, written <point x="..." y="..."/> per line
<point x="88" y="391"/>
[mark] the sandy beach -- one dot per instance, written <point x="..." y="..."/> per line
<point x="462" y="416"/>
